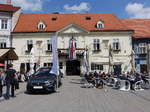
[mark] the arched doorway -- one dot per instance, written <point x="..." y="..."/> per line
<point x="73" y="67"/>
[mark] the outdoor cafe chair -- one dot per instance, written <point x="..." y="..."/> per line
<point x="138" y="86"/>
<point x="85" y="83"/>
<point x="111" y="81"/>
<point x="124" y="85"/>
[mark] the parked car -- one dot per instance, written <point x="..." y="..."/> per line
<point x="43" y="80"/>
<point x="48" y="68"/>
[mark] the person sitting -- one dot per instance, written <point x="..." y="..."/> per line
<point x="103" y="75"/>
<point x="123" y="76"/>
<point x="143" y="76"/>
<point x="95" y="74"/>
<point x="138" y="77"/>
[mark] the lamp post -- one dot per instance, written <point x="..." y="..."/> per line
<point x="38" y="43"/>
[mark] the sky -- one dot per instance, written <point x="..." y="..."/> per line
<point x="121" y="8"/>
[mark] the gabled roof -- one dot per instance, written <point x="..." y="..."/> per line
<point x="56" y="22"/>
<point x="8" y="8"/>
<point x="141" y="27"/>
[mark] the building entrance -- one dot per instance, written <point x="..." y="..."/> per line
<point x="73" y="67"/>
<point x="143" y="68"/>
<point x="117" y="69"/>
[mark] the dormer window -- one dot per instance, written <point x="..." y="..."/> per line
<point x="100" y="24"/>
<point x="41" y="25"/>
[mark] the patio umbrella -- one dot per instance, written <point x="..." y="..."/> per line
<point x="2" y="65"/>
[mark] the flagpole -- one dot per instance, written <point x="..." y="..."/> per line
<point x="58" y="67"/>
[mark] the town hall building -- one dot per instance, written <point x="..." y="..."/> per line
<point x="106" y="39"/>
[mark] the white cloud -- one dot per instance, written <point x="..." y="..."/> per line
<point x="29" y="5"/>
<point x="138" y="10"/>
<point x="82" y="7"/>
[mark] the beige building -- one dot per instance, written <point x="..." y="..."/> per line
<point x="107" y="40"/>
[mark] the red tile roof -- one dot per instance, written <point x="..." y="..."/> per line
<point x="8" y="8"/>
<point x="29" y="22"/>
<point x="141" y="27"/>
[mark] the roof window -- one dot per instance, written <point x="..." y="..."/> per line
<point x="100" y="24"/>
<point x="41" y="25"/>
<point x="88" y="18"/>
<point x="54" y="19"/>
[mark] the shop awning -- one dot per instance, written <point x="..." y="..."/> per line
<point x="8" y="54"/>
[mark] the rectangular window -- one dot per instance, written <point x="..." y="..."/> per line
<point x="49" y="45"/>
<point x="60" y="65"/>
<point x="96" y="45"/>
<point x="96" y="66"/>
<point x="142" y="49"/>
<point x="29" y="45"/>
<point x="48" y="65"/>
<point x="116" y="44"/>
<point x="4" y="24"/>
<point x="3" y="43"/>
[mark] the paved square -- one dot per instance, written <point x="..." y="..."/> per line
<point x="72" y="98"/>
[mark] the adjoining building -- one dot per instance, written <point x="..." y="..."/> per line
<point x="107" y="40"/>
<point x="9" y="16"/>
<point x="141" y="42"/>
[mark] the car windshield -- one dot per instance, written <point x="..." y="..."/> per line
<point x="42" y="72"/>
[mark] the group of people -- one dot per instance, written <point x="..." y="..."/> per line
<point x="9" y="79"/>
<point x="100" y="79"/>
<point x="97" y="79"/>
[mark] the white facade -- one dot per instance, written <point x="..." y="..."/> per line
<point x="85" y="40"/>
<point x="8" y="20"/>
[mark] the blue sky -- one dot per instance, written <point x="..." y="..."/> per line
<point x="121" y="8"/>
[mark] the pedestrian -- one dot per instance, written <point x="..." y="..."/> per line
<point x="10" y="81"/>
<point x="2" y="77"/>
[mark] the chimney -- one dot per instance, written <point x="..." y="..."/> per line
<point x="8" y="2"/>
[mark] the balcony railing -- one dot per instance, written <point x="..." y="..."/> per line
<point x="65" y="52"/>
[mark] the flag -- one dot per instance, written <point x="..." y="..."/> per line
<point x="32" y="59"/>
<point x="85" y="63"/>
<point x="72" y="48"/>
<point x="55" y="66"/>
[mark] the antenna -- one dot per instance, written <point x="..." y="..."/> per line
<point x="8" y="2"/>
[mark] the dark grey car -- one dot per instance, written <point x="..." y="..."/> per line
<point x="43" y="80"/>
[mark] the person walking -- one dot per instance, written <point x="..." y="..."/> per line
<point x="1" y="82"/>
<point x="10" y="81"/>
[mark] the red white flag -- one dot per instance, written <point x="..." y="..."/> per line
<point x="72" y="53"/>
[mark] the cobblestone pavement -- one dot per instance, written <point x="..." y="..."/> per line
<point x="72" y="98"/>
